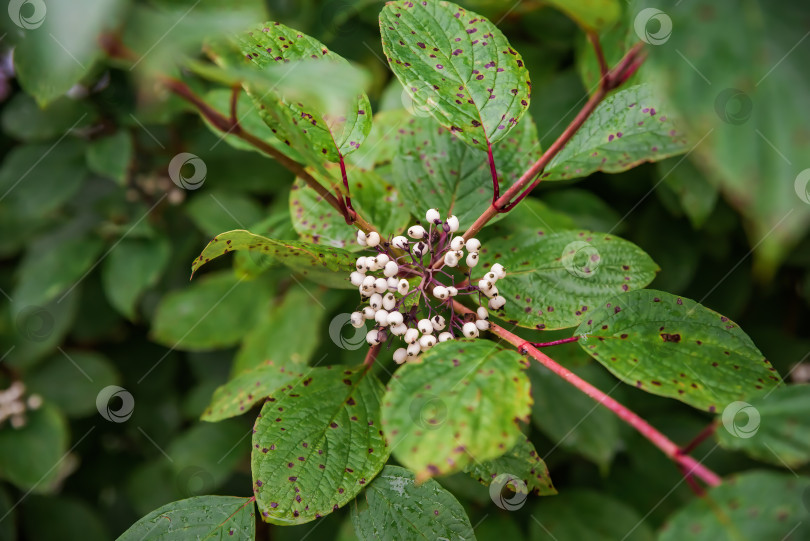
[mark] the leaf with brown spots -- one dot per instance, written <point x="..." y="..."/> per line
<point x="555" y="280"/>
<point x="520" y="462"/>
<point x="458" y="406"/>
<point x="317" y="443"/>
<point x="630" y="127"/>
<point x="713" y="363"/>
<point x="372" y="197"/>
<point x="754" y="506"/>
<point x="437" y="170"/>
<point x="322" y="264"/>
<point x="456" y="66"/>
<point x="247" y="389"/>
<point x="394" y="507"/>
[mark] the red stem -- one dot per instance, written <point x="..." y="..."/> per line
<point x="690" y="465"/>
<point x="700" y="438"/>
<point x="604" y="70"/>
<point x="371" y="355"/>
<point x="495" y="185"/>
<point x="555" y="342"/>
<point x="351" y="215"/>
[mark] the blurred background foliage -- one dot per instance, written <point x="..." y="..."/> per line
<point x="96" y="243"/>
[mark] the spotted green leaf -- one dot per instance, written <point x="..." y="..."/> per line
<point x="247" y="389"/>
<point x="752" y="506"/>
<point x="394" y="507"/>
<point x="459" y="405"/>
<point x="630" y="127"/>
<point x="555" y="280"/>
<point x="316" y="444"/>
<point x="322" y="264"/>
<point x="372" y="197"/>
<point x="437" y="170"/>
<point x="456" y="66"/>
<point x="332" y="133"/>
<point x="591" y="15"/>
<point x="672" y="346"/>
<point x="202" y="517"/>
<point x="772" y="426"/>
<point x="521" y="463"/>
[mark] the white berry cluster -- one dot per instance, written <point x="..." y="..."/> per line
<point x="413" y="298"/>
<point x="13" y="404"/>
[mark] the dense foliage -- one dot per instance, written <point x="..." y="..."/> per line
<point x="464" y="271"/>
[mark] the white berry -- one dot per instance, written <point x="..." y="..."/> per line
<point x="482" y="324"/>
<point x="357" y="320"/>
<point x="403" y="287"/>
<point x="361" y="264"/>
<point x="356" y="278"/>
<point x="432" y="216"/>
<point x="419" y="249"/>
<point x="395" y="319"/>
<point x="361" y="238"/>
<point x="416" y="232"/>
<point x="482" y="313"/>
<point x="470" y="330"/>
<point x="473" y="245"/>
<point x="380" y="285"/>
<point x="393" y="284"/>
<point x="400" y="355"/>
<point x="452" y="223"/>
<point x="398" y="330"/>
<point x="391" y="269"/>
<point x="411" y="335"/>
<point x="472" y="259"/>
<point x="491" y="292"/>
<point x="499" y="271"/>
<point x="450" y="259"/>
<point x="427" y="342"/>
<point x="381" y="317"/>
<point x="373" y="239"/>
<point x="445" y="336"/>
<point x="491" y="276"/>
<point x="414" y="349"/>
<point x="452" y="291"/>
<point x="425" y="326"/>
<point x="438" y="322"/>
<point x="457" y="243"/>
<point x="400" y="242"/>
<point x="389" y="301"/>
<point x="373" y="337"/>
<point x="496" y="303"/>
<point x="368" y="312"/>
<point x="441" y="292"/>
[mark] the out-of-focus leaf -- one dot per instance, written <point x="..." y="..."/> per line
<point x="110" y="156"/>
<point x="591" y="15"/>
<point x="204" y="456"/>
<point x="72" y="379"/>
<point x="133" y="266"/>
<point x="696" y="195"/>
<point x="214" y="312"/>
<point x="30" y="456"/>
<point x="69" y="518"/>
<point x="214" y="212"/>
<point x="23" y="118"/>
<point x="459" y="68"/>
<point x="586" y="209"/>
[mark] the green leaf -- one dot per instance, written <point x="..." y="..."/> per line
<point x="435" y="169"/>
<point x="111" y="156"/>
<point x="532" y="215"/>
<point x="322" y="264"/>
<point x="383" y="140"/>
<point x="317" y="444"/>
<point x="28" y="187"/>
<point x="71" y="379"/>
<point x="573" y="420"/>
<point x="204" y="456"/>
<point x="131" y="268"/>
<point x="68" y="518"/>
<point x="615" y="41"/>
<point x="555" y="281"/>
<point x="395" y="507"/>
<point x="247" y="389"/>
<point x="288" y="333"/>
<point x="696" y="195"/>
<point x="672" y="346"/>
<point x="331" y="131"/>
<point x="30" y="456"/>
<point x="214" y="312"/>
<point x="459" y="405"/>
<point x="217" y="211"/>
<point x="591" y="15"/>
<point x="203" y="517"/>
<point x="53" y="56"/>
<point x="752" y="506"/>
<point x="520" y="463"/>
<point x="774" y="426"/>
<point x="23" y="119"/>
<point x="563" y="518"/>
<point x="458" y="67"/>
<point x="585" y="208"/>
<point x="54" y="264"/>
<point x="751" y="121"/>
<point x="630" y="127"/>
<point x="372" y="197"/>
